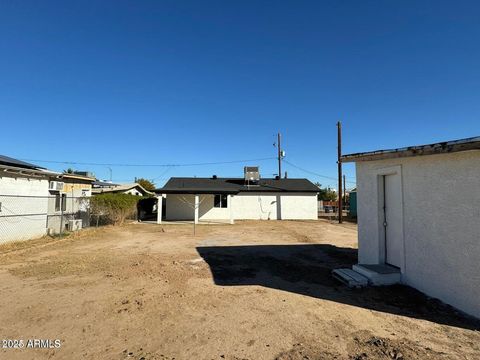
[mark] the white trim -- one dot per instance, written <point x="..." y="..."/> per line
<point x="197" y="206"/>
<point x="159" y="208"/>
<point x="230" y="205"/>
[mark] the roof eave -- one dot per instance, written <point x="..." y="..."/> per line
<point x="432" y="149"/>
<point x="40" y="172"/>
<point x="195" y="191"/>
<point x="78" y="177"/>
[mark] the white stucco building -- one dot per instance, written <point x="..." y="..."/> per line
<point x="418" y="219"/>
<point x="23" y="199"/>
<point x="35" y="201"/>
<point x="230" y="199"/>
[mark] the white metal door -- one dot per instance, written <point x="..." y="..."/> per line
<point x="393" y="220"/>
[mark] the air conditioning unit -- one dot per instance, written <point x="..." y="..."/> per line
<point x="251" y="173"/>
<point x="74" y="225"/>
<point x="55" y="186"/>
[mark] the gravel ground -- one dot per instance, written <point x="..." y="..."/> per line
<point x="254" y="290"/>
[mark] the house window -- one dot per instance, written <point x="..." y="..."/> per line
<point x="64" y="202"/>
<point x="220" y="201"/>
<point x="57" y="202"/>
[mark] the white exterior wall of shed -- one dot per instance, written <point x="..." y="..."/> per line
<point x="251" y="206"/>
<point x="22" y="227"/>
<point x="441" y="231"/>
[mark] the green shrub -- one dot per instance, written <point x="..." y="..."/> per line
<point x="114" y="208"/>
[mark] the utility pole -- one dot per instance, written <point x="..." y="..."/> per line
<point x="279" y="156"/>
<point x="339" y="162"/>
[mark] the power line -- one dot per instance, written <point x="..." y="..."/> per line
<point x="162" y="174"/>
<point x="314" y="173"/>
<point x="146" y="165"/>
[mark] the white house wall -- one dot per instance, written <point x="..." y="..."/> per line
<point x="208" y="212"/>
<point x="441" y="197"/>
<point x="21" y="203"/>
<point x="251" y="206"/>
<point x="255" y="207"/>
<point x="301" y="206"/>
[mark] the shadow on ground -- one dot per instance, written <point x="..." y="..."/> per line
<point x="306" y="270"/>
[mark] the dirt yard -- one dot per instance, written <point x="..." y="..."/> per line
<point x="254" y="290"/>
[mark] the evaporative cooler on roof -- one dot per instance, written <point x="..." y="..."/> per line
<point x="252" y="174"/>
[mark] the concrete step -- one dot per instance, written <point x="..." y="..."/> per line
<point x="379" y="274"/>
<point x="350" y="278"/>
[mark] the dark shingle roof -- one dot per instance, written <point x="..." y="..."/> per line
<point x="234" y="186"/>
<point x="8" y="161"/>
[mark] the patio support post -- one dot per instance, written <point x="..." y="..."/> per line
<point x="159" y="208"/>
<point x="230" y="205"/>
<point x="197" y="205"/>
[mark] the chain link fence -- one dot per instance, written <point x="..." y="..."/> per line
<point x="28" y="217"/>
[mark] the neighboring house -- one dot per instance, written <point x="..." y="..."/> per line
<point x="100" y="187"/>
<point x="23" y="199"/>
<point x="69" y="202"/>
<point x="33" y="200"/>
<point x="418" y="219"/>
<point x="237" y="198"/>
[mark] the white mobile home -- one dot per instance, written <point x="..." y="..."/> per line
<point x="232" y="199"/>
<point x="418" y="219"/>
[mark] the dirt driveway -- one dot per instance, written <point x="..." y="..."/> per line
<point x="254" y="290"/>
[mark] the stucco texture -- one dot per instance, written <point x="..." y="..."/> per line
<point x="251" y="206"/>
<point x="441" y="227"/>
<point x="23" y="205"/>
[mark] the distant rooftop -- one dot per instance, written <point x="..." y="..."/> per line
<point x="100" y="183"/>
<point x="430" y="149"/>
<point x="113" y="188"/>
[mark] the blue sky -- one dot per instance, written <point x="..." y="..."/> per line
<point x="175" y="82"/>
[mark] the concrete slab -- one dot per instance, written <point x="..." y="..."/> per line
<point x="379" y="274"/>
<point x="350" y="278"/>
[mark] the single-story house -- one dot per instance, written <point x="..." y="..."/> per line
<point x="250" y="197"/>
<point x="100" y="187"/>
<point x="23" y="199"/>
<point x="418" y="219"/>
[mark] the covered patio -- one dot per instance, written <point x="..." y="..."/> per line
<point x="187" y="207"/>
